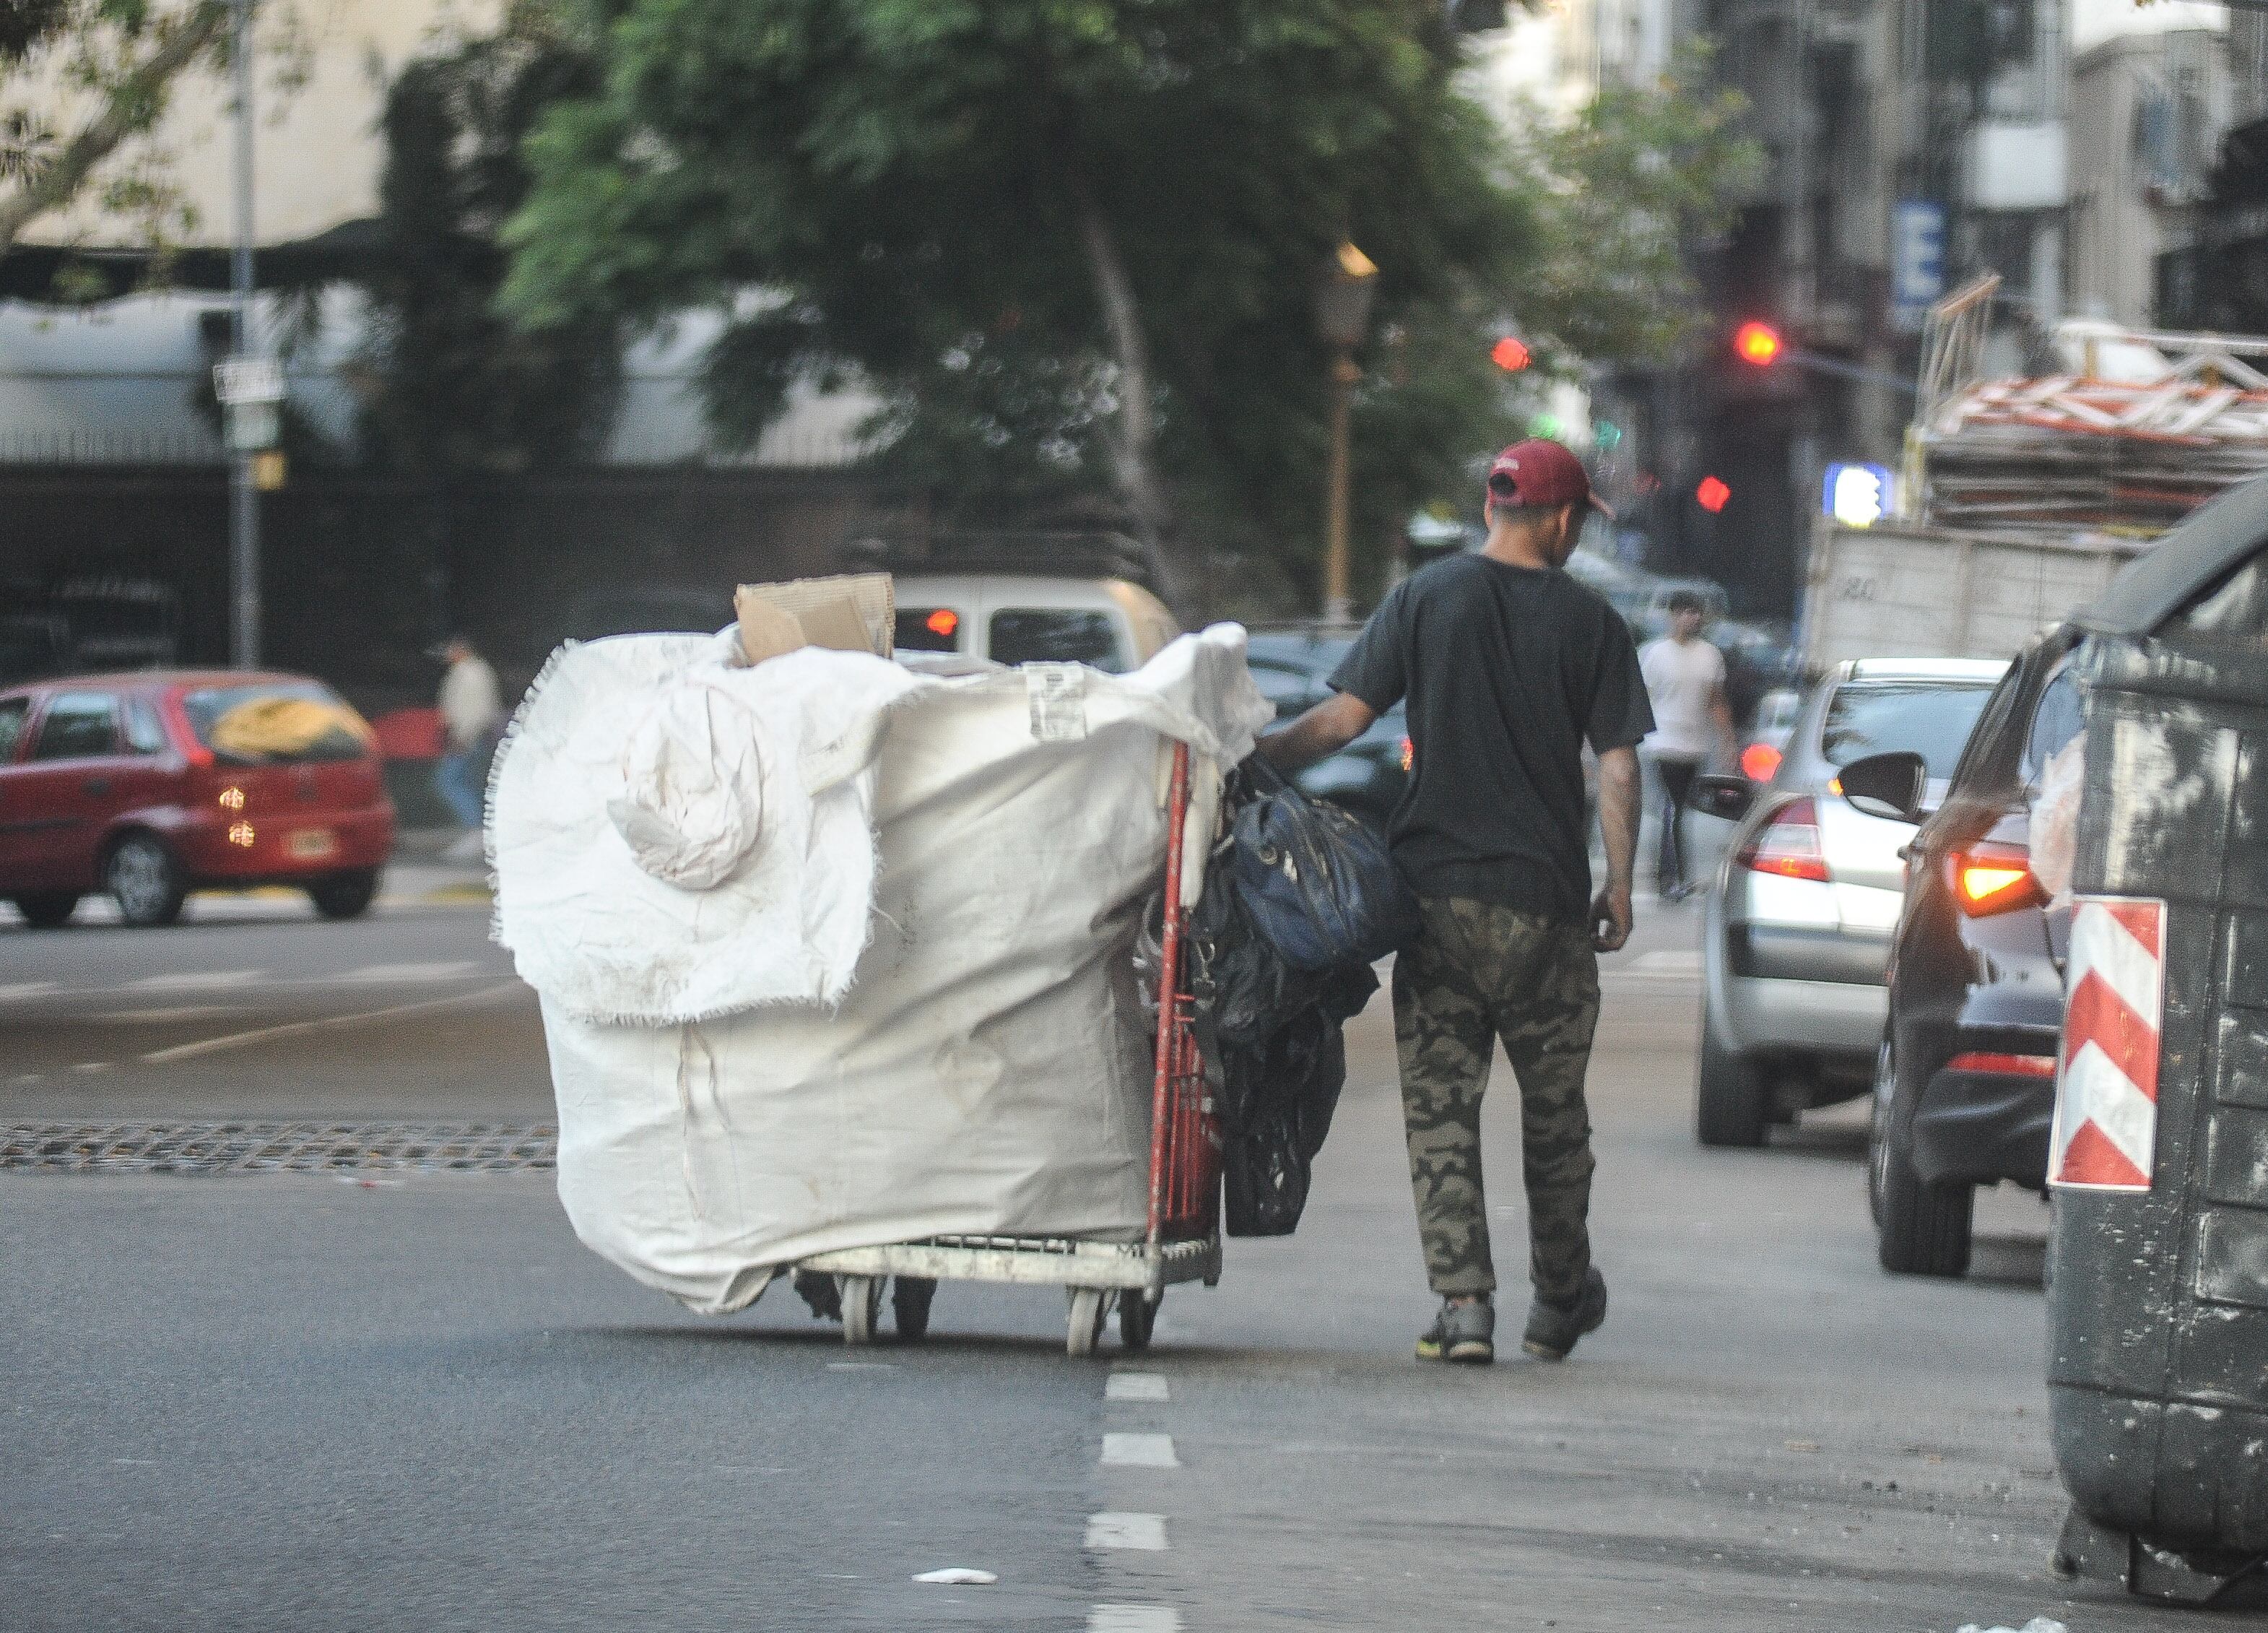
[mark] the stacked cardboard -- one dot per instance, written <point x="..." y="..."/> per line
<point x="2072" y="453"/>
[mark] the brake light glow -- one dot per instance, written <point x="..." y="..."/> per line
<point x="944" y="621"/>
<point x="1993" y="878"/>
<point x="1760" y="762"/>
<point x="2003" y="1065"/>
<point x="1409" y="754"/>
<point x="1787" y="845"/>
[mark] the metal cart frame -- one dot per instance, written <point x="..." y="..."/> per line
<point x="1182" y="1240"/>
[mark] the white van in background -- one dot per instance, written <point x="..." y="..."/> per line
<point x="1112" y="623"/>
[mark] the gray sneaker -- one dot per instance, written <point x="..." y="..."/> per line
<point x="1552" y="1330"/>
<point x="1463" y="1332"/>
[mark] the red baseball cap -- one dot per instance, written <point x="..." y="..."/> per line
<point x="1540" y="471"/>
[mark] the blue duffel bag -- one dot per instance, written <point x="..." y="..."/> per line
<point x="1318" y="882"/>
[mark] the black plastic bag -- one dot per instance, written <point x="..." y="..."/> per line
<point x="1319" y="881"/>
<point x="1267" y="1165"/>
<point x="1270" y="1035"/>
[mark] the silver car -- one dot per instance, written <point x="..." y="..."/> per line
<point x="1796" y="935"/>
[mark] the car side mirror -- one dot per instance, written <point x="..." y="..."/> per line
<point x="1729" y="797"/>
<point x="1886" y="784"/>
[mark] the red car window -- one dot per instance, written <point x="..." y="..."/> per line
<point x="145" y="733"/>
<point x="13" y="711"/>
<point x="78" y="726"/>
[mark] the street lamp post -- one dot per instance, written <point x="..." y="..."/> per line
<point x="243" y="499"/>
<point x="1342" y="317"/>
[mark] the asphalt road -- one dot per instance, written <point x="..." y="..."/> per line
<point x="413" y="1401"/>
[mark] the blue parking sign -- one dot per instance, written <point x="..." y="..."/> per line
<point x="1917" y="259"/>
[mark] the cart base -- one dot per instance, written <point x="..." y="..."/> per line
<point x="1131" y="1276"/>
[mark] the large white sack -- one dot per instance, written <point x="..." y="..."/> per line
<point x="987" y="1070"/>
<point x="674" y="839"/>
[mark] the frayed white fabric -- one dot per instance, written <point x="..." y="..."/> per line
<point x="661" y="854"/>
<point x="988" y="1070"/>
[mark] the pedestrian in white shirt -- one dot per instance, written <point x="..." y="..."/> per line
<point x="1686" y="682"/>
<point x="472" y="716"/>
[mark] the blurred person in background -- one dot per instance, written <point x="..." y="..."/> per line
<point x="1693" y="723"/>
<point x="472" y="718"/>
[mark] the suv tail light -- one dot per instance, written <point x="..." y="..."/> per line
<point x="1993" y="876"/>
<point x="1788" y="844"/>
<point x="1999" y="1065"/>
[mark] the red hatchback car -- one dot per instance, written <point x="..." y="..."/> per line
<point x="149" y="786"/>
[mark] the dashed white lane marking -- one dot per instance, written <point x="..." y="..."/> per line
<point x="193" y="980"/>
<point x="1120" y="1450"/>
<point x="1146" y="1532"/>
<point x="1134" y="1386"/>
<point x="151" y="1017"/>
<point x="292" y="1029"/>
<point x="1133" y="1619"/>
<point x="26" y="989"/>
<point x="371" y="974"/>
<point x="1669" y="961"/>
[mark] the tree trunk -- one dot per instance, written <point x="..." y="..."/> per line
<point x="129" y="108"/>
<point x="1132" y="440"/>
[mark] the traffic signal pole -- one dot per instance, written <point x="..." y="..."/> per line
<point x="243" y="497"/>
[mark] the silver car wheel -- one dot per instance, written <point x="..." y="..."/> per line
<point x="1877" y="1132"/>
<point x="141" y="875"/>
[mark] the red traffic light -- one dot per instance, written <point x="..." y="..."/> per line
<point x="1509" y="355"/>
<point x="1711" y="495"/>
<point x="1757" y="343"/>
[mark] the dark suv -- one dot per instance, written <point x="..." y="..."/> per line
<point x="1964" y="1090"/>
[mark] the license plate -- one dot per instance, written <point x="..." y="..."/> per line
<point x="312" y="842"/>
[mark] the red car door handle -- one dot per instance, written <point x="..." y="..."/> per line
<point x="96" y="785"/>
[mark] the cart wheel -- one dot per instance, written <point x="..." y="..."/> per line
<point x="1138" y="1318"/>
<point x="909" y="1296"/>
<point x="1087" y="1312"/>
<point x="862" y="1303"/>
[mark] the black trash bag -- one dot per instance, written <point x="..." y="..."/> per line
<point x="1319" y="881"/>
<point x="1277" y="1101"/>
<point x="1271" y="1041"/>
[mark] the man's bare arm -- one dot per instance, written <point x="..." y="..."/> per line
<point x="1610" y="913"/>
<point x="1721" y="712"/>
<point x="1323" y="730"/>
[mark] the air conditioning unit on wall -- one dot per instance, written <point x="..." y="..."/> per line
<point x="2019" y="167"/>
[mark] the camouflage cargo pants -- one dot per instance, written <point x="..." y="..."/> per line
<point x="1476" y="972"/>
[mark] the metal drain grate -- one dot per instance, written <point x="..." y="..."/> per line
<point x="273" y="1147"/>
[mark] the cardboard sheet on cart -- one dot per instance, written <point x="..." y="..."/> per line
<point x="985" y="1068"/>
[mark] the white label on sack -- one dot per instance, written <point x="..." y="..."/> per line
<point x="1057" y="694"/>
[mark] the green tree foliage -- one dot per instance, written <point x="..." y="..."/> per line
<point x="1105" y="216"/>
<point x="451" y="385"/>
<point x="1073" y="244"/>
<point x="1632" y="183"/>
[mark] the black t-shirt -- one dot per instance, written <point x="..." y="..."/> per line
<point x="1507" y="670"/>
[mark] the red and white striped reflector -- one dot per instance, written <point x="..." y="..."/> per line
<point x="2106" y="1118"/>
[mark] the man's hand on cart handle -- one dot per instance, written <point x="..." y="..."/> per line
<point x="1320" y="732"/>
